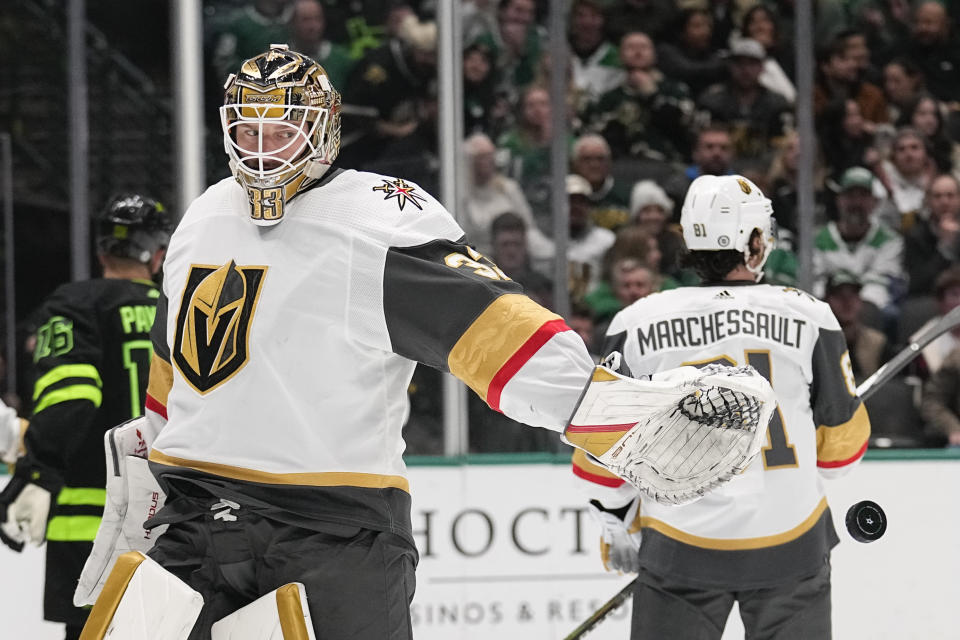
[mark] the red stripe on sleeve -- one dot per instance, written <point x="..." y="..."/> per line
<point x="597" y="479"/>
<point x="154" y="405"/>
<point x="833" y="464"/>
<point x="520" y="357"/>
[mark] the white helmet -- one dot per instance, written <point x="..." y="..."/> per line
<point x="721" y="213"/>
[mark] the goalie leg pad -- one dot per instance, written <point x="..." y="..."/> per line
<point x="282" y="614"/>
<point x="142" y="601"/>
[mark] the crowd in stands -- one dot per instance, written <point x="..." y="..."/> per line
<point x="660" y="92"/>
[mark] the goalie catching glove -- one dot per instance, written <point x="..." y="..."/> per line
<point x="678" y="435"/>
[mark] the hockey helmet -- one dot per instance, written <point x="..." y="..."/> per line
<point x="281" y="128"/>
<point x="133" y="226"/>
<point x="721" y="213"/>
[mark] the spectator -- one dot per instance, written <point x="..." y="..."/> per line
<point x="509" y="244"/>
<point x="759" y="23"/>
<point x="479" y="18"/>
<point x="308" y="27"/>
<point x="364" y="26"/>
<point x="636" y="247"/>
<point x="594" y="59"/>
<point x="692" y="59"/>
<point x="859" y="244"/>
<point x="906" y="176"/>
<point x="653" y="17"/>
<point x="651" y="210"/>
<point x="933" y="244"/>
<point x="582" y="321"/>
<point x="947" y="293"/>
<point x="782" y="189"/>
<point x="526" y="151"/>
<point x="588" y="242"/>
<point x="838" y="79"/>
<point x="517" y="44"/>
<point x="934" y="49"/>
<point x="633" y="280"/>
<point x="490" y="194"/>
<point x="396" y="85"/>
<point x="884" y="22"/>
<point x="248" y="30"/>
<point x="846" y="138"/>
<point x="755" y="115"/>
<point x="940" y="406"/>
<point x="609" y="199"/>
<point x="648" y="115"/>
<point x="713" y="153"/>
<point x="925" y="114"/>
<point x="868" y="346"/>
<point x="902" y="85"/>
<point x="858" y="50"/>
<point x="630" y="280"/>
<point x="484" y="109"/>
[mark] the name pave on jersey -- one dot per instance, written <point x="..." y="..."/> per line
<point x="137" y="318"/>
<point x="695" y="331"/>
<point x="213" y="323"/>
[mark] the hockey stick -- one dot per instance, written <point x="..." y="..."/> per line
<point x="608" y="607"/>
<point x="892" y="367"/>
<point x="866" y="389"/>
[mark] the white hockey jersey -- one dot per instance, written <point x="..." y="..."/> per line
<point x="284" y="353"/>
<point x="771" y="523"/>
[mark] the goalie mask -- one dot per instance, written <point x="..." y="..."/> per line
<point x="133" y="226"/>
<point x="281" y="128"/>
<point x="722" y="212"/>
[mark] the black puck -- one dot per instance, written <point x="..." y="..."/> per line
<point x="866" y="521"/>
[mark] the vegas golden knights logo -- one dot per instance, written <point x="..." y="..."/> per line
<point x="213" y="323"/>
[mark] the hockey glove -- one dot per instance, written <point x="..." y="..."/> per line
<point x="619" y="547"/>
<point x="25" y="508"/>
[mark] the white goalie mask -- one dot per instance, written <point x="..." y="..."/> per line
<point x="281" y="128"/>
<point x="721" y="213"/>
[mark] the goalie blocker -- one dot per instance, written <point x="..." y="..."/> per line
<point x="143" y="601"/>
<point x="678" y="435"/>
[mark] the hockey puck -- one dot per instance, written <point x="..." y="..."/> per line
<point x="866" y="521"/>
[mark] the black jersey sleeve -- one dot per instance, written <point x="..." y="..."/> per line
<point x="68" y="386"/>
<point x="843" y="427"/>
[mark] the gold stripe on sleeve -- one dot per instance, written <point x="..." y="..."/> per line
<point x="843" y="441"/>
<point x="161" y="379"/>
<point x="486" y="345"/>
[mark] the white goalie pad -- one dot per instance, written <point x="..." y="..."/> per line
<point x="133" y="496"/>
<point x="678" y="435"/>
<point x="282" y="614"/>
<point x="142" y="601"/>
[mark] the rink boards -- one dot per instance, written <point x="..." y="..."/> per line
<point x="508" y="551"/>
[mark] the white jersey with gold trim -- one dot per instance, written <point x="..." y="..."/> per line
<point x="778" y="504"/>
<point x="285" y="352"/>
